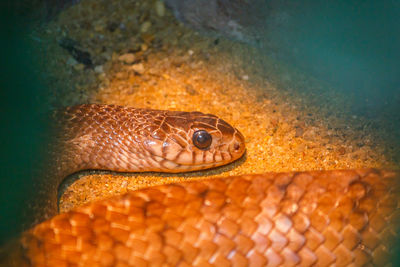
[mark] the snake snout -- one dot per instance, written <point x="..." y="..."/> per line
<point x="237" y="146"/>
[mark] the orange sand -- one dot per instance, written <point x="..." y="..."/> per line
<point x="175" y="68"/>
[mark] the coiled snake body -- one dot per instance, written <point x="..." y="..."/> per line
<point x="321" y="218"/>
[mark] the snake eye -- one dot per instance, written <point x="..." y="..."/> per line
<point x="202" y="139"/>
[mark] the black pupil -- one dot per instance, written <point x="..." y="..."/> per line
<point x="202" y="139"/>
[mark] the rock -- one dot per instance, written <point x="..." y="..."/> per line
<point x="79" y="54"/>
<point x="144" y="47"/>
<point x="145" y="26"/>
<point x="128" y="58"/>
<point x="229" y="18"/>
<point x="160" y="8"/>
<point x="79" y="67"/>
<point x="71" y="61"/>
<point x="99" y="69"/>
<point x="342" y="151"/>
<point x="99" y="28"/>
<point x="139" y="68"/>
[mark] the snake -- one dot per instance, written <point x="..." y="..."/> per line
<point x="305" y="218"/>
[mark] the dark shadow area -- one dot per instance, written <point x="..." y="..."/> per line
<point x="23" y="127"/>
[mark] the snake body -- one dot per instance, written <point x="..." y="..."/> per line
<point x="322" y="218"/>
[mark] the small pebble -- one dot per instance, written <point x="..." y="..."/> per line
<point x="102" y="77"/>
<point x="99" y="69"/>
<point x="128" y="58"/>
<point x="99" y="28"/>
<point x="139" y="68"/>
<point x="160" y="8"/>
<point x="71" y="61"/>
<point x="122" y="75"/>
<point x="145" y="26"/>
<point x="79" y="67"/>
<point x="144" y="47"/>
<point x="342" y="151"/>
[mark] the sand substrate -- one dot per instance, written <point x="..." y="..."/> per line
<point x="142" y="57"/>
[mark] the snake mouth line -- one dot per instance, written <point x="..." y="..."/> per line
<point x="170" y="166"/>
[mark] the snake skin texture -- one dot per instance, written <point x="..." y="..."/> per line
<point x="126" y="139"/>
<point x="322" y="218"/>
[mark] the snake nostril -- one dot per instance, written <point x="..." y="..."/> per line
<point x="236" y="146"/>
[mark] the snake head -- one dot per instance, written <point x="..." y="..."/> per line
<point x="188" y="141"/>
<point x="137" y="140"/>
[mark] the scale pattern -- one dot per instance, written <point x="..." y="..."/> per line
<point x="322" y="218"/>
<point x="125" y="139"/>
<point x="128" y="139"/>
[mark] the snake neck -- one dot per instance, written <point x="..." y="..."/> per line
<point x="105" y="138"/>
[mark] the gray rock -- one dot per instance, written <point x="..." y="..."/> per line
<point x="233" y="19"/>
